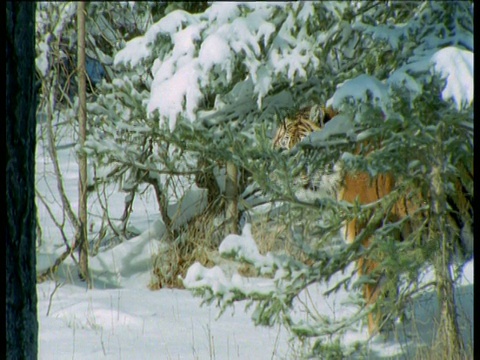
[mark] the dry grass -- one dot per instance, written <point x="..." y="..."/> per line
<point x="275" y="237"/>
<point x="198" y="241"/>
<point x="202" y="237"/>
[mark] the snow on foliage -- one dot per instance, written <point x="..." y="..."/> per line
<point x="235" y="57"/>
<point x="199" y="276"/>
<point x="206" y="49"/>
<point x="193" y="56"/>
<point x="51" y="22"/>
<point x="456" y="66"/>
<point x="120" y="308"/>
<point x="238" y="247"/>
<point x="139" y="48"/>
<point x="453" y="64"/>
<point x="359" y="89"/>
<point x="244" y="247"/>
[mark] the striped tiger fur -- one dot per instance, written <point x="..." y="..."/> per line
<point x="293" y="130"/>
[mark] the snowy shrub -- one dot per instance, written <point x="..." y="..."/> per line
<point x="423" y="88"/>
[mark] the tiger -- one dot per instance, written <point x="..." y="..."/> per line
<point x="307" y="120"/>
<point x="361" y="187"/>
<point x="293" y="130"/>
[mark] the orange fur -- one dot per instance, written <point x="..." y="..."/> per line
<point x="362" y="188"/>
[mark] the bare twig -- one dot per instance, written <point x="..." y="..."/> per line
<point x="58" y="174"/>
<point x="57" y="286"/>
<point x="48" y="274"/>
<point x="59" y="225"/>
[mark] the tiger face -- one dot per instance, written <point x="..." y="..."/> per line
<point x="292" y="131"/>
<point x="309" y="119"/>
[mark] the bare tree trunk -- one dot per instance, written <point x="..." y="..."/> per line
<point x="82" y="119"/>
<point x="231" y="196"/>
<point x="205" y="178"/>
<point x="20" y="229"/>
<point x="163" y="207"/>
<point x="448" y="332"/>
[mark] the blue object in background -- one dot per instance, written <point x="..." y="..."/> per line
<point x="95" y="70"/>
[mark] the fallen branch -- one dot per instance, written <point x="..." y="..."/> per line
<point x="50" y="272"/>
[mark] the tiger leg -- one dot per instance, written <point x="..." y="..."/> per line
<point x="366" y="190"/>
<point x="371" y="292"/>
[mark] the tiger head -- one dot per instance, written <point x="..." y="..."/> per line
<point x="307" y="120"/>
<point x="291" y="132"/>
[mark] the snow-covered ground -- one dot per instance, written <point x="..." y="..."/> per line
<point x="122" y="319"/>
<point x="136" y="323"/>
<point x="133" y="322"/>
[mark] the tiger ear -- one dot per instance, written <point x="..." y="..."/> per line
<point x="282" y="128"/>
<point x="317" y="115"/>
<point x="330" y="113"/>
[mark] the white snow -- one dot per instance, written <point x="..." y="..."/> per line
<point x="453" y="64"/>
<point x="244" y="247"/>
<point x="223" y="11"/>
<point x="170" y="94"/>
<point x="121" y="319"/>
<point x="213" y="51"/>
<point x="403" y="80"/>
<point x="359" y="89"/>
<point x="379" y="32"/>
<point x="205" y="49"/>
<point x="456" y="66"/>
<point x="134" y="51"/>
<point x="142" y="324"/>
<point x="409" y="336"/>
<point x="41" y="61"/>
<point x="138" y="48"/>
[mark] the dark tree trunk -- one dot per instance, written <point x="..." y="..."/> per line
<point x="449" y="336"/>
<point x="21" y="295"/>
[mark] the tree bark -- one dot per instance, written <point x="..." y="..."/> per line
<point x="231" y="196"/>
<point x="21" y="296"/>
<point x="82" y="158"/>
<point x="448" y="331"/>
